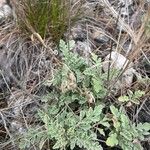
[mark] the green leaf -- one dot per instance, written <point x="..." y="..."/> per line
<point x="114" y="111"/>
<point x="98" y="109"/>
<point x="124" y="120"/>
<point x="138" y="94"/>
<point x="72" y="143"/>
<point x="135" y="101"/>
<point x="63" y="47"/>
<point x="117" y="125"/>
<point x="82" y="114"/>
<point x="71" y="44"/>
<point x="96" y="85"/>
<point x="127" y="135"/>
<point x="112" y="140"/>
<point x="123" y="99"/>
<point x="101" y="131"/>
<point x="106" y="124"/>
<point x="57" y="145"/>
<point x="53" y="110"/>
<point x="94" y="57"/>
<point x="143" y="127"/>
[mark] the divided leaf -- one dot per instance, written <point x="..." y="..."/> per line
<point x="112" y="140"/>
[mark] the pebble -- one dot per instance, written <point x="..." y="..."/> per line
<point x="120" y="62"/>
<point x="99" y="37"/>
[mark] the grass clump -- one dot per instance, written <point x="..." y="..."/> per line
<point x="48" y="18"/>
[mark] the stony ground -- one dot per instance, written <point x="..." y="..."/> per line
<point x="106" y="26"/>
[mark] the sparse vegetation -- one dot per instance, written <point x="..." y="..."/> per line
<point x="54" y="90"/>
<point x="69" y="120"/>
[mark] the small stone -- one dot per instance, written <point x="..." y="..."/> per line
<point x="99" y="37"/>
<point x="17" y="126"/>
<point x="126" y="2"/>
<point x="5" y="9"/>
<point x="2" y="2"/>
<point x="119" y="62"/>
<point x="77" y="33"/>
<point x="83" y="48"/>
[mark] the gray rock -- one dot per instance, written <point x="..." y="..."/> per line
<point x="119" y="62"/>
<point x="5" y="69"/>
<point x="5" y="11"/>
<point x="83" y="48"/>
<point x="77" y="33"/>
<point x="99" y="37"/>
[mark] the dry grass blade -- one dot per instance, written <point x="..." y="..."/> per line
<point x="125" y="26"/>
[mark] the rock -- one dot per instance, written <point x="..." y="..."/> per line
<point x="88" y="9"/>
<point x="5" y="9"/>
<point x="78" y="33"/>
<point x="126" y="2"/>
<point x="17" y="127"/>
<point x="2" y="2"/>
<point x="83" y="49"/>
<point x="5" y="77"/>
<point x="99" y="37"/>
<point x="119" y="62"/>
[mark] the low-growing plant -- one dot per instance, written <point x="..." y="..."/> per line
<point x="125" y="133"/>
<point x="75" y="112"/>
<point x="67" y="129"/>
<point x="132" y="97"/>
